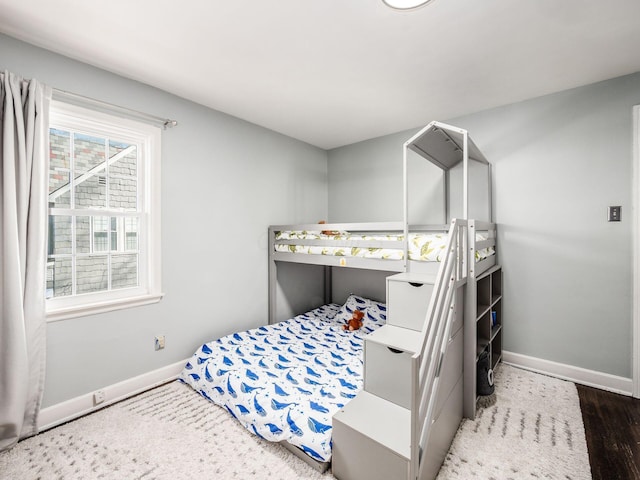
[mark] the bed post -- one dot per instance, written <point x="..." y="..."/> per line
<point x="490" y="189"/>
<point x="273" y="277"/>
<point x="465" y="175"/>
<point x="469" y="327"/>
<point x="445" y="189"/>
<point x="328" y="284"/>
<point x="405" y="206"/>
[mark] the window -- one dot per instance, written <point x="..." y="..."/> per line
<point x="104" y="213"/>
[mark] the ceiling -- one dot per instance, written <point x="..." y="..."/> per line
<point x="335" y="72"/>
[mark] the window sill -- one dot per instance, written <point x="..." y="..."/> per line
<point x="102" y="307"/>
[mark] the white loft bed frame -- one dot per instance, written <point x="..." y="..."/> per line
<point x="446" y="147"/>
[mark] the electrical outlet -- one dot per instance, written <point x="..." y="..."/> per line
<point x="615" y="213"/>
<point x="98" y="397"/>
<point x="159" y="342"/>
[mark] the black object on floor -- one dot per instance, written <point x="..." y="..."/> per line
<point x="484" y="383"/>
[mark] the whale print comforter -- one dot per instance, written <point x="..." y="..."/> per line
<point x="285" y="381"/>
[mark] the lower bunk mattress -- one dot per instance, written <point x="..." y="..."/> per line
<point x="285" y="381"/>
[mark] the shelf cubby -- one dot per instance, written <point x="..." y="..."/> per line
<point x="496" y="349"/>
<point x="483" y="296"/>
<point x="496" y="286"/>
<point x="489" y="324"/>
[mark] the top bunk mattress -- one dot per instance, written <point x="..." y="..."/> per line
<point x="422" y="247"/>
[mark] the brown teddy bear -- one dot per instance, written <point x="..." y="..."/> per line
<point x="355" y="322"/>
<point x="328" y="232"/>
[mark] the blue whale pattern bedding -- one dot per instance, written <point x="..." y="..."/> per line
<point x="285" y="381"/>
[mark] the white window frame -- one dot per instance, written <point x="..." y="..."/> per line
<point x="148" y="140"/>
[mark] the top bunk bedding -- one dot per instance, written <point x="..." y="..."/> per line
<point x="422" y="247"/>
<point x="284" y="382"/>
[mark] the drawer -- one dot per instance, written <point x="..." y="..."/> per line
<point x="356" y="457"/>
<point x="407" y="303"/>
<point x="387" y="373"/>
<point x="371" y="440"/>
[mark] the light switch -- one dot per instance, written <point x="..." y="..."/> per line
<point x="614" y="213"/>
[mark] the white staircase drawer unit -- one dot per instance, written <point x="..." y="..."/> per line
<point x="387" y="373"/>
<point x="408" y="298"/>
<point x="371" y="440"/>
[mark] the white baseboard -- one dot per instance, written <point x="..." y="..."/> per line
<point x="84" y="404"/>
<point x="590" y="378"/>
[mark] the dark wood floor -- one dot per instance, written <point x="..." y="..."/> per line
<point x="612" y="428"/>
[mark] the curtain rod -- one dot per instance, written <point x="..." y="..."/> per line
<point x="83" y="101"/>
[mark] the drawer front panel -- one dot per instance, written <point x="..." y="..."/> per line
<point x="387" y="373"/>
<point x="357" y="457"/>
<point x="408" y="303"/>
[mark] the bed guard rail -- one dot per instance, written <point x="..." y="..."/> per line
<point x="489" y="230"/>
<point x="427" y="362"/>
<point x="381" y="235"/>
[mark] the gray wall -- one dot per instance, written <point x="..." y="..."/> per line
<point x="558" y="161"/>
<point x="223" y="182"/>
<point x="365" y="180"/>
<point x="365" y="184"/>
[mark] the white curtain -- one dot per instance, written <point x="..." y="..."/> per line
<point x="24" y="118"/>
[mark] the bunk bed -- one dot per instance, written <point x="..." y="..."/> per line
<point x="313" y="367"/>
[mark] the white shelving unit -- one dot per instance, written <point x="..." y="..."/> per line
<point x="484" y="306"/>
<point x="489" y="314"/>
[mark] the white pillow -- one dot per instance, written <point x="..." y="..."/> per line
<point x="375" y="313"/>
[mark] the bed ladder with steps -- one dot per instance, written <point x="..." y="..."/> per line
<point x="400" y="426"/>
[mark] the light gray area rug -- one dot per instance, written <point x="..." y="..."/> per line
<point x="534" y="431"/>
